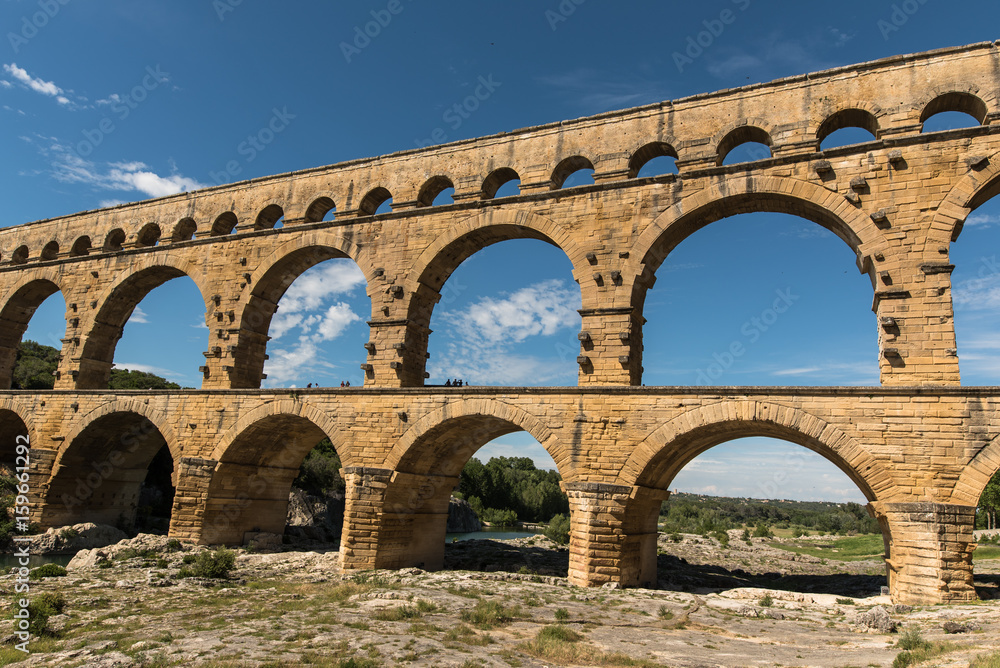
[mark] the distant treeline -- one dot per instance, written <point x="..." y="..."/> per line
<point x="35" y="369"/>
<point x="508" y="489"/>
<point x="694" y="513"/>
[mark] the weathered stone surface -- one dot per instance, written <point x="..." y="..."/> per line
<point x="876" y="620"/>
<point x="461" y="517"/>
<point x="70" y="539"/>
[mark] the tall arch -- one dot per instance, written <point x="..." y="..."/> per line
<point x="115" y="307"/>
<point x="978" y="186"/>
<point x="439" y="260"/>
<point x="737" y="196"/>
<point x="977" y="473"/>
<point x="426" y="463"/>
<point x="274" y="276"/>
<point x="97" y="475"/>
<point x="257" y="460"/>
<point x="16" y="313"/>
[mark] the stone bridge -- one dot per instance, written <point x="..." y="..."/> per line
<point x="920" y="447"/>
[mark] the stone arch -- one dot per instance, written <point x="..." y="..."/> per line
<point x="98" y="473"/>
<point x="736" y="195"/>
<point x="16" y="312"/>
<point x="496" y="179"/>
<point x="425" y="465"/>
<point x="81" y="247"/>
<point x="965" y="101"/>
<point x="666" y="450"/>
<point x="978" y="186"/>
<point x="50" y="251"/>
<point x="647" y="152"/>
<point x="115" y="306"/>
<point x="270" y="281"/>
<point x="184" y="230"/>
<point x="405" y="454"/>
<point x="114" y="240"/>
<point x="976" y="473"/>
<point x="849" y="117"/>
<point x="148" y="236"/>
<point x="268" y="217"/>
<point x="433" y="187"/>
<point x="225" y="224"/>
<point x="375" y="198"/>
<point x="430" y="271"/>
<point x="252" y="478"/>
<point x="746" y="130"/>
<point x="15" y="420"/>
<point x="20" y="255"/>
<point x="568" y="166"/>
<point x="319" y="208"/>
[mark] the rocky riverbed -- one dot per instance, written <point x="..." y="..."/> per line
<point x="497" y="603"/>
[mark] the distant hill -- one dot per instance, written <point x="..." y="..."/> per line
<point x="35" y="369"/>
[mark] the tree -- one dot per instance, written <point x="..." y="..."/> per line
<point x="35" y="369"/>
<point x="989" y="501"/>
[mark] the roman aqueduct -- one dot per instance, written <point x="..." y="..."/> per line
<point x="920" y="446"/>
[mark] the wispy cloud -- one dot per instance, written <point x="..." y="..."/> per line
<point x="313" y="309"/>
<point x="983" y="220"/>
<point x="38" y="85"/>
<point x="138" y="316"/>
<point x="595" y="91"/>
<point x="483" y="337"/>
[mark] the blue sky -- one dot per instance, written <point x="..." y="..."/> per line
<point x="123" y="100"/>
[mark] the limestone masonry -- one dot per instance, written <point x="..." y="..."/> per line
<point x="920" y="447"/>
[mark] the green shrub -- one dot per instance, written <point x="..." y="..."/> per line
<point x="500" y="518"/>
<point x="210" y="564"/>
<point x="722" y="537"/>
<point x="174" y="545"/>
<point x="189" y="558"/>
<point x="910" y="639"/>
<point x="489" y="614"/>
<point x="47" y="571"/>
<point x="69" y="533"/>
<point x="763" y="530"/>
<point x="558" y="529"/>
<point x="40" y="608"/>
<point x="746" y="536"/>
<point x="562" y="614"/>
<point x="766" y="601"/>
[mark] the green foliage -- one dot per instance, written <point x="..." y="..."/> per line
<point x="40" y="608"/>
<point x="127" y="379"/>
<point x="558" y="529"/>
<point x="986" y="661"/>
<point x="8" y="492"/>
<point x="722" y="537"/>
<point x="47" y="571"/>
<point x="210" y="564"/>
<point x="698" y="514"/>
<point x="766" y="601"/>
<point x="68" y="533"/>
<point x="35" y="369"/>
<point x="763" y="530"/>
<point x="911" y="639"/>
<point x="319" y="473"/>
<point x="562" y="614"/>
<point x="512" y="484"/>
<point x="989" y="504"/>
<point x="489" y="614"/>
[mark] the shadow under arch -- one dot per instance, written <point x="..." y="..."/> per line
<point x="256" y="462"/>
<point x="97" y="475"/>
<point x="16" y="313"/>
<point x="115" y="307"/>
<point x="463" y="239"/>
<point x="663" y="453"/>
<point x="270" y="282"/>
<point x="425" y="466"/>
<point x="16" y="427"/>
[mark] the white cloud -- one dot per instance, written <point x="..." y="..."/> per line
<point x="139" y="316"/>
<point x="483" y="335"/>
<point x="309" y="290"/>
<point x="68" y="167"/>
<point x="37" y="85"/>
<point x="334" y="321"/>
<point x="540" y="309"/>
<point x="982" y="220"/>
<point x="146" y="368"/>
<point x="6" y="84"/>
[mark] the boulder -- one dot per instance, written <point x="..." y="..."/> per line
<point x="461" y="517"/>
<point x="318" y="518"/>
<point x="73" y="538"/>
<point x="876" y="620"/>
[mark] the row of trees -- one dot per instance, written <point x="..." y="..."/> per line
<point x="690" y="513"/>
<point x="509" y="489"/>
<point x="989" y="504"/>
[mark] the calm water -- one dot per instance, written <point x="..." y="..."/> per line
<point x="9" y="561"/>
<point x="498" y="534"/>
